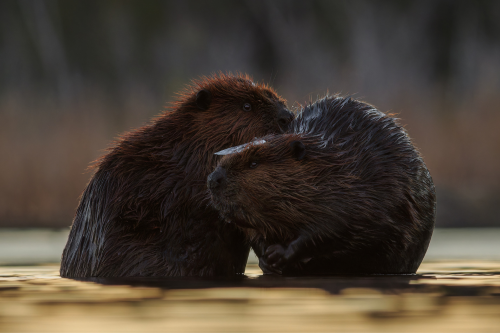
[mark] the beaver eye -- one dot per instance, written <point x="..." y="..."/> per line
<point x="247" y="107"/>
<point x="253" y="165"/>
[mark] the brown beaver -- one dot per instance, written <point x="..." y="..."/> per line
<point x="344" y="192"/>
<point x="145" y="211"/>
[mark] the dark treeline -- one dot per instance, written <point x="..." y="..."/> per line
<point x="74" y="74"/>
<point x="61" y="46"/>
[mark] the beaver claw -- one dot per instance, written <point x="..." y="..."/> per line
<point x="267" y="269"/>
<point x="276" y="258"/>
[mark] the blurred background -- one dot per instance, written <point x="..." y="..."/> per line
<point x="76" y="74"/>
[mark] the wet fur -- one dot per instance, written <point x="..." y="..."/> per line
<point x="145" y="211"/>
<point x="361" y="197"/>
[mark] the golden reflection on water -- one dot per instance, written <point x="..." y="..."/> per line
<point x="460" y="296"/>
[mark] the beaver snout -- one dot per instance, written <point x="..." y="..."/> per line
<point x="285" y="117"/>
<point x="216" y="179"/>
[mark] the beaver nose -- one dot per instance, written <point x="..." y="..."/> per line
<point x="285" y="117"/>
<point x="216" y="179"/>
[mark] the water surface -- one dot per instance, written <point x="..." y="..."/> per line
<point x="445" y="296"/>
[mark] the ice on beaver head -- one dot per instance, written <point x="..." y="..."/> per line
<point x="240" y="148"/>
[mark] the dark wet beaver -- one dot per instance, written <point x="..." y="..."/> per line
<point x="345" y="192"/>
<point x="145" y="211"/>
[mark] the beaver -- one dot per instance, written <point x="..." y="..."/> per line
<point x="145" y="211"/>
<point x="343" y="192"/>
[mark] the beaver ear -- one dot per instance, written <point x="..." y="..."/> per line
<point x="298" y="149"/>
<point x="203" y="99"/>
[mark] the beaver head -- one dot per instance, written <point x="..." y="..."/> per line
<point x="275" y="185"/>
<point x="225" y="110"/>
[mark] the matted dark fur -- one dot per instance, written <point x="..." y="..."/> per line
<point x="145" y="211"/>
<point x="345" y="192"/>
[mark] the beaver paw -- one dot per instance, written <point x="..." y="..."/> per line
<point x="276" y="258"/>
<point x="267" y="269"/>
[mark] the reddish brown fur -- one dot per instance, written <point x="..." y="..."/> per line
<point x="355" y="199"/>
<point x="145" y="210"/>
<point x="277" y="190"/>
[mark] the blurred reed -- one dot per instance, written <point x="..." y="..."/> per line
<point x="47" y="151"/>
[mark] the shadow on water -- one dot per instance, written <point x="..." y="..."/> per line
<point x="446" y="283"/>
<point x="331" y="284"/>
